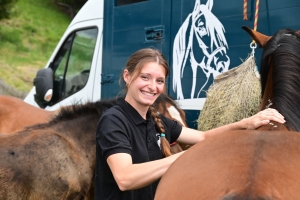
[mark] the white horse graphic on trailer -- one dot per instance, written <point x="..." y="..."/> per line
<point x="213" y="59"/>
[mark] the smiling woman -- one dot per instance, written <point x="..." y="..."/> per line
<point x="133" y="138"/>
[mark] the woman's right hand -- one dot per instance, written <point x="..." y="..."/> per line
<point x="261" y="118"/>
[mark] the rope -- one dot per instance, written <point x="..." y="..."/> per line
<point x="245" y="9"/>
<point x="256" y="14"/>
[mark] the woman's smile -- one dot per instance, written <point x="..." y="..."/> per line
<point x="150" y="94"/>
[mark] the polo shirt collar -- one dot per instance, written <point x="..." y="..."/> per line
<point x="132" y="112"/>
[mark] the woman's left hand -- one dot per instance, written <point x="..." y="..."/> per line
<point x="262" y="118"/>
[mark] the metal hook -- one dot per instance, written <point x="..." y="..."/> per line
<point x="253" y="46"/>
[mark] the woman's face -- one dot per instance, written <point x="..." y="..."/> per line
<point x="147" y="86"/>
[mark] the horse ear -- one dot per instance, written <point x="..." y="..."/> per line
<point x="196" y="7"/>
<point x="210" y="4"/>
<point x="259" y="38"/>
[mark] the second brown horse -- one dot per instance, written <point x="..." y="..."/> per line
<point x="250" y="164"/>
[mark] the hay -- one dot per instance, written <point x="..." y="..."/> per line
<point x="234" y="95"/>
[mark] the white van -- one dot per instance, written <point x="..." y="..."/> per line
<point x="200" y="40"/>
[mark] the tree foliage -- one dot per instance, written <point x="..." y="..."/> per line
<point x="71" y="6"/>
<point x="77" y="4"/>
<point x="6" y="7"/>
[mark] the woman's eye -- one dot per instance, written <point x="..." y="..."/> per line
<point x="144" y="77"/>
<point x="161" y="81"/>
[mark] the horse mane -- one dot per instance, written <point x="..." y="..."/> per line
<point x="282" y="53"/>
<point x="73" y="111"/>
<point x="66" y="113"/>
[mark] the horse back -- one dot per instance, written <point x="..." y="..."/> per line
<point x="249" y="164"/>
<point x="42" y="163"/>
<point x="15" y="114"/>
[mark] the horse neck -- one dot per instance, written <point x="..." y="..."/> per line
<point x="80" y="131"/>
<point x="278" y="94"/>
<point x="267" y="103"/>
<point x="82" y="127"/>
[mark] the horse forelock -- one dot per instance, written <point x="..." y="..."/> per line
<point x="282" y="53"/>
<point x="214" y="28"/>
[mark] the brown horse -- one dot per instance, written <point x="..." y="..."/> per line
<point x="54" y="160"/>
<point x="15" y="114"/>
<point x="258" y="164"/>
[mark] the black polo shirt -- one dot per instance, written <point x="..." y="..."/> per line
<point x="121" y="129"/>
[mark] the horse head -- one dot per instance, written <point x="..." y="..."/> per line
<point x="280" y="70"/>
<point x="206" y="24"/>
<point x="200" y="41"/>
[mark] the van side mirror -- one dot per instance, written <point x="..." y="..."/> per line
<point x="43" y="83"/>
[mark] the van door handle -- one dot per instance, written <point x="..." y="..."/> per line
<point x="154" y="34"/>
<point x="107" y="78"/>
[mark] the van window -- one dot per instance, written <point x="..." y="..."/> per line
<point x="125" y="2"/>
<point x="72" y="64"/>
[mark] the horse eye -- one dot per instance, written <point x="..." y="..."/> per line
<point x="200" y="22"/>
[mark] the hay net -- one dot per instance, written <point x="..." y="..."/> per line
<point x="234" y="95"/>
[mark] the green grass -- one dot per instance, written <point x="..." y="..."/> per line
<point x="28" y="39"/>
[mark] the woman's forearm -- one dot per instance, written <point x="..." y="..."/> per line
<point x="134" y="176"/>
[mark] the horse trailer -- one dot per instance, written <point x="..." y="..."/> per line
<point x="200" y="39"/>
